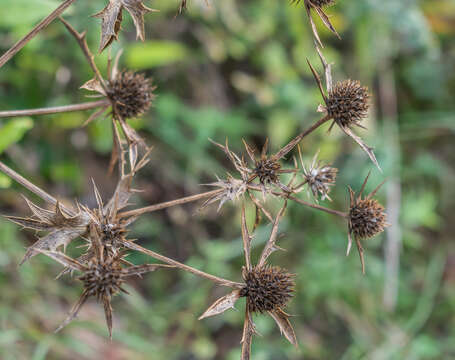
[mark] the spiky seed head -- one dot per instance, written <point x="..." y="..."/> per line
<point x="267" y="288"/>
<point x="267" y="171"/>
<point x="347" y="103"/>
<point x="103" y="277"/>
<point x="366" y="218"/>
<point x="131" y="94"/>
<point x="320" y="179"/>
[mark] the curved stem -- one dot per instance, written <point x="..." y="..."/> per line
<point x="179" y="265"/>
<point x="55" y="109"/>
<point x="22" y="42"/>
<point x="160" y="206"/>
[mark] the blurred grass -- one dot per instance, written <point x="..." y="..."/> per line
<point x="238" y="69"/>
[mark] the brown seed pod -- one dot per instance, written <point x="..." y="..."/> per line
<point x="267" y="288"/>
<point x="347" y="103"/>
<point x="320" y="178"/>
<point x="131" y="94"/>
<point x="103" y="278"/>
<point x="367" y="218"/>
<point x="267" y="170"/>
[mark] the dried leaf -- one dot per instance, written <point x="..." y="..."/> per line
<point x="64" y="260"/>
<point x="221" y="305"/>
<point x="111" y="19"/>
<point x="94" y="85"/>
<point x="108" y="313"/>
<point x="286" y="329"/>
<point x="142" y="269"/>
<point x="74" y="311"/>
<point x="53" y="240"/>
<point x="247" y="337"/>
<point x="270" y="247"/>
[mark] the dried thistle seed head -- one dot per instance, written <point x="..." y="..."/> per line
<point x="366" y="218"/>
<point x="230" y="189"/>
<point x="131" y="94"/>
<point x="320" y="178"/>
<point x="347" y="103"/>
<point x="267" y="288"/>
<point x="267" y="170"/>
<point x="103" y="278"/>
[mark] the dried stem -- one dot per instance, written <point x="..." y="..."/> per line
<point x="80" y="38"/>
<point x="22" y="42"/>
<point x="164" y="205"/>
<point x="299" y="137"/>
<point x="314" y="206"/>
<point x="179" y="265"/>
<point x="55" y="109"/>
<point x="33" y="188"/>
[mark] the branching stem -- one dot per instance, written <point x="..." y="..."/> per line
<point x="22" y="42"/>
<point x="160" y="206"/>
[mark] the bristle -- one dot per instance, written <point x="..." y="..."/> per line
<point x="347" y="103"/>
<point x="320" y="179"/>
<point x="267" y="288"/>
<point x="131" y="94"/>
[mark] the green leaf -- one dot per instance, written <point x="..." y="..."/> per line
<point x="155" y="53"/>
<point x="13" y="131"/>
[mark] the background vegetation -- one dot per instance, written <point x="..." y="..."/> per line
<point x="238" y="69"/>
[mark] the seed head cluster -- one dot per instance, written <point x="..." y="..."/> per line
<point x="131" y="94"/>
<point x="103" y="278"/>
<point x="367" y="218"/>
<point x="347" y="102"/>
<point x="267" y="288"/>
<point x="267" y="171"/>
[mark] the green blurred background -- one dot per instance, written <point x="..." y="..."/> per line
<point x="238" y="69"/>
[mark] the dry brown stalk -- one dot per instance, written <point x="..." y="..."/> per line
<point x="44" y="23"/>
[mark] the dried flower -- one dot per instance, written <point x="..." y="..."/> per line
<point x="366" y="218"/>
<point x="320" y="178"/>
<point x="318" y="6"/>
<point x="102" y="277"/>
<point x="266" y="288"/>
<point x="347" y="103"/>
<point x="230" y="189"/>
<point x="131" y="94"/>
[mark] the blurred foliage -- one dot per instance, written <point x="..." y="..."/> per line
<point x="237" y="69"/>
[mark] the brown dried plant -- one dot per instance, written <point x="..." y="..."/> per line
<point x="102" y="264"/>
<point x="267" y="289"/>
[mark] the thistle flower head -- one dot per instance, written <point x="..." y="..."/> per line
<point x="267" y="288"/>
<point x="267" y="170"/>
<point x="230" y="189"/>
<point x="103" y="278"/>
<point x="347" y="103"/>
<point x="131" y="94"/>
<point x="320" y="178"/>
<point x="366" y="218"/>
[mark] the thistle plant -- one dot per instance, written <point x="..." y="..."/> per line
<point x="102" y="266"/>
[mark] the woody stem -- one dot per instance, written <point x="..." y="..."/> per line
<point x="314" y="206"/>
<point x="22" y="42"/>
<point x="160" y="206"/>
<point x="55" y="109"/>
<point x="299" y="137"/>
<point x="179" y="265"/>
<point x="33" y="188"/>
